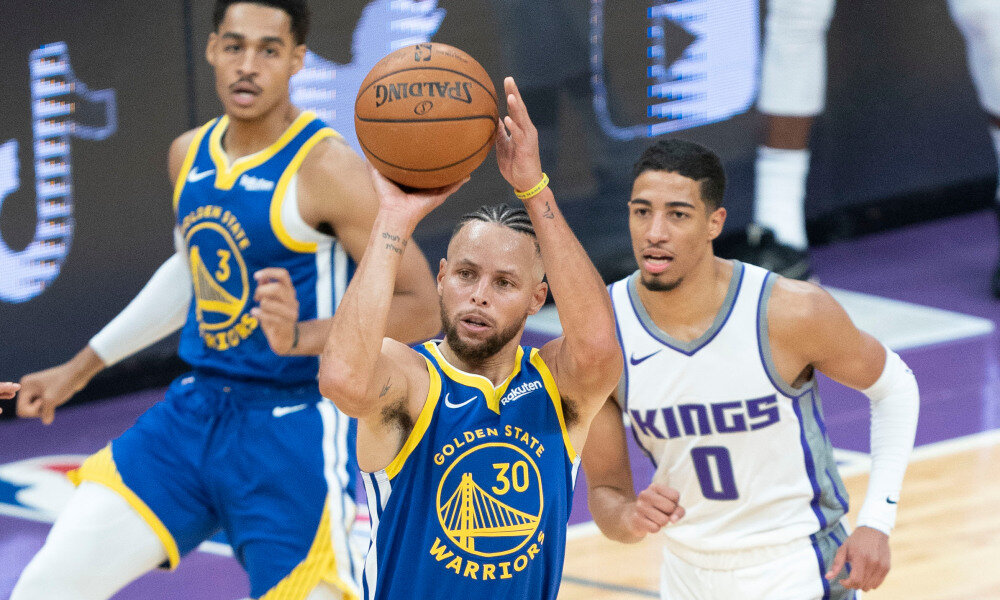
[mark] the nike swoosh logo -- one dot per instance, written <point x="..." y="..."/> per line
<point x="280" y="411"/>
<point x="194" y="175"/>
<point x="635" y="361"/>
<point x="891" y="501"/>
<point x="458" y="405"/>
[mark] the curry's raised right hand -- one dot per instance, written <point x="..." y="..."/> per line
<point x="414" y="204"/>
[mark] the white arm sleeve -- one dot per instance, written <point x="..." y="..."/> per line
<point x="895" y="404"/>
<point x="158" y="310"/>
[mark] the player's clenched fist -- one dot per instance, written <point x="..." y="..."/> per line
<point x="277" y="309"/>
<point x="654" y="508"/>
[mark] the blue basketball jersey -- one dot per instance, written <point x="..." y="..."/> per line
<point x="236" y="219"/>
<point x="476" y="502"/>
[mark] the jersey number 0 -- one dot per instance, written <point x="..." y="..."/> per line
<point x="715" y="472"/>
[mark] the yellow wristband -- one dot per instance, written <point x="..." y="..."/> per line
<point x="535" y="190"/>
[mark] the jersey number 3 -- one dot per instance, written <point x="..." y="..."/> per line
<point x="715" y="472"/>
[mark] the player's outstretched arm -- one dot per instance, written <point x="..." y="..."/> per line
<point x="335" y="188"/>
<point x="359" y="365"/>
<point x="810" y="325"/>
<point x="619" y="513"/>
<point x="158" y="310"/>
<point x="586" y="361"/>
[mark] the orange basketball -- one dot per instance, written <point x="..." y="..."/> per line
<point x="426" y="115"/>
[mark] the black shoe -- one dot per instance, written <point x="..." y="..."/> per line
<point x="761" y="248"/>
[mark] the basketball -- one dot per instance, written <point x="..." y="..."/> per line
<point x="426" y="115"/>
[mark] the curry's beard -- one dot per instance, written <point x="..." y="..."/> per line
<point x="478" y="351"/>
<point x="654" y="285"/>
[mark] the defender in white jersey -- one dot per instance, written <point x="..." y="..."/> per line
<point x="720" y="390"/>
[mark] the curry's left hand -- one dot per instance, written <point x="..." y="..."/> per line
<point x="517" y="151"/>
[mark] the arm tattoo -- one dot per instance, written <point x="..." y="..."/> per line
<point x="394" y="243"/>
<point x="393" y="238"/>
<point x="548" y="214"/>
<point x="385" y="388"/>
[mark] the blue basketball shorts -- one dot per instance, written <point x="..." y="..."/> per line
<point x="272" y="467"/>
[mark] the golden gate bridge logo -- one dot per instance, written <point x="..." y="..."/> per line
<point x="500" y="518"/>
<point x="211" y="296"/>
<point x="213" y="274"/>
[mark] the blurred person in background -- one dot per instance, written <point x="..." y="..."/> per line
<point x="792" y="95"/>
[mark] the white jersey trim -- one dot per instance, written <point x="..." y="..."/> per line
<point x="291" y="217"/>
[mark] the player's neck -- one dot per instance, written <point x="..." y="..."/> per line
<point x="244" y="137"/>
<point x="695" y="301"/>
<point x="497" y="368"/>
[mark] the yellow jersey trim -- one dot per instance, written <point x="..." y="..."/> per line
<point x="192" y="152"/>
<point x="491" y="393"/>
<point x="278" y="200"/>
<point x="420" y="427"/>
<point x="226" y="174"/>
<point x="100" y="468"/>
<point x="320" y="564"/>
<point x="550" y="387"/>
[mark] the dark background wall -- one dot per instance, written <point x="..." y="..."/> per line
<point x="902" y="139"/>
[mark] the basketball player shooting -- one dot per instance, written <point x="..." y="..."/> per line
<point x="720" y="388"/>
<point x="467" y="445"/>
<point x="265" y="196"/>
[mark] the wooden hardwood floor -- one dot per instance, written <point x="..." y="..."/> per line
<point x="946" y="545"/>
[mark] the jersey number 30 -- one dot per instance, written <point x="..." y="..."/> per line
<point x="715" y="472"/>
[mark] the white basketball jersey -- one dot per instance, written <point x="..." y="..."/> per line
<point x="748" y="453"/>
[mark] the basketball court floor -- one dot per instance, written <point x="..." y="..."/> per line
<point x="922" y="290"/>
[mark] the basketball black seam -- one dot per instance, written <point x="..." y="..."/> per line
<point x="441" y="120"/>
<point x="466" y="75"/>
<point x="401" y="167"/>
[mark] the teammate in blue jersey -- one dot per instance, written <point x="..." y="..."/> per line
<point x="720" y="388"/>
<point x="468" y="445"/>
<point x="272" y="209"/>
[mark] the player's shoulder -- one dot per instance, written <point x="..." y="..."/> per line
<point x="402" y="353"/>
<point x="796" y="307"/>
<point x="179" y="149"/>
<point x="182" y="142"/>
<point x="330" y="158"/>
<point x="335" y="185"/>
